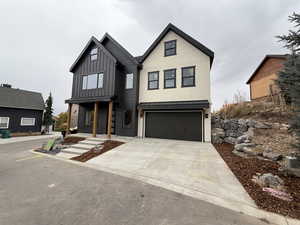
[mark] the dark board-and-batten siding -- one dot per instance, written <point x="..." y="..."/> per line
<point x="105" y="64"/>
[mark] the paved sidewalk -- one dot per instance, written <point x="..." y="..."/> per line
<point x="27" y="138"/>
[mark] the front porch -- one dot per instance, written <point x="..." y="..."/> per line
<point x="94" y="117"/>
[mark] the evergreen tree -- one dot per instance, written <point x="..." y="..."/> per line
<point x="289" y="78"/>
<point x="47" y="120"/>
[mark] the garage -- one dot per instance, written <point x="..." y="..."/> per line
<point x="181" y="125"/>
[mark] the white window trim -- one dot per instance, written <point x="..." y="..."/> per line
<point x="22" y="124"/>
<point x="7" y="123"/>
<point x="126" y="82"/>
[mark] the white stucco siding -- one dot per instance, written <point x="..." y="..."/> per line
<point x="186" y="55"/>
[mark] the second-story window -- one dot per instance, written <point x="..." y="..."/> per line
<point x="153" y="80"/>
<point x="170" y="78"/>
<point x="92" y="81"/>
<point x="100" y="80"/>
<point x="129" y="81"/>
<point x="94" y="54"/>
<point x="170" y="48"/>
<point x="188" y="76"/>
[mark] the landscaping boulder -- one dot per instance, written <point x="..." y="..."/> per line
<point x="260" y="125"/>
<point x="241" y="147"/>
<point x="272" y="155"/>
<point x="230" y="140"/>
<point x="246" y="138"/>
<point x="269" y="180"/>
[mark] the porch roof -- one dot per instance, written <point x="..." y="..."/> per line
<point x="88" y="100"/>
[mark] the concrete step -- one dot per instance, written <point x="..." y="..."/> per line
<point x="74" y="151"/>
<point x="83" y="146"/>
<point x="96" y="139"/>
<point x="66" y="155"/>
<point x="87" y="142"/>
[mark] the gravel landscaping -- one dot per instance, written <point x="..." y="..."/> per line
<point x="107" y="145"/>
<point x="245" y="168"/>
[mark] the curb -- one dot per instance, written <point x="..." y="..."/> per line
<point x="240" y="207"/>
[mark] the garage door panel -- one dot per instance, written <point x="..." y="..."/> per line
<point x="174" y="125"/>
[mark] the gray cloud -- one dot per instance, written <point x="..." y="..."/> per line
<point x="41" y="39"/>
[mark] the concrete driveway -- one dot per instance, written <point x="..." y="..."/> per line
<point x="191" y="168"/>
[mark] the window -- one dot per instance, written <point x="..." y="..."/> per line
<point x="89" y="117"/>
<point x="129" y="81"/>
<point x="170" y="48"/>
<point x="153" y="80"/>
<point x="127" y="117"/>
<point x="94" y="54"/>
<point x="4" y="122"/>
<point x="170" y="78"/>
<point x="188" y="76"/>
<point x="92" y="81"/>
<point x="27" y="121"/>
<point x="100" y="80"/>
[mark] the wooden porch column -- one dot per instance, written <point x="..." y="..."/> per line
<point x="95" y="119"/>
<point x="69" y="118"/>
<point x="110" y="106"/>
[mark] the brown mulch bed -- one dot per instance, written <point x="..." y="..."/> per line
<point x="108" y="145"/>
<point x="72" y="140"/>
<point x="245" y="168"/>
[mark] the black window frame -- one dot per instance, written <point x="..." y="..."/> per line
<point x="193" y="76"/>
<point x="149" y="81"/>
<point x="166" y="49"/>
<point x="174" y="78"/>
<point x="94" y="54"/>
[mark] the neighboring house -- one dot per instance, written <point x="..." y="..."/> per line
<point x="20" y="111"/>
<point x="262" y="80"/>
<point x="163" y="94"/>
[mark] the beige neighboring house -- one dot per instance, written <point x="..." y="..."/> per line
<point x="174" y="90"/>
<point x="262" y="80"/>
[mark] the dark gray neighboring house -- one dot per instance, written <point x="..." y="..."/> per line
<point x="21" y="111"/>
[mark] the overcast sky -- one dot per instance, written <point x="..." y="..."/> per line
<point x="39" y="40"/>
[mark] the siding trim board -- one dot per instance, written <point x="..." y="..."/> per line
<point x="202" y="104"/>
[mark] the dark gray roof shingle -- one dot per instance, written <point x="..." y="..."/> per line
<point x="16" y="98"/>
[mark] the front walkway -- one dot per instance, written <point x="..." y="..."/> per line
<point x="192" y="168"/>
<point x="28" y="138"/>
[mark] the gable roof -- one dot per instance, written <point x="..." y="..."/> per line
<point x="182" y="34"/>
<point x="107" y="36"/>
<point x="278" y="56"/>
<point x="98" y="44"/>
<point x="21" y="99"/>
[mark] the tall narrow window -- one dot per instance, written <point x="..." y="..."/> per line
<point x="4" y="122"/>
<point x="170" y="48"/>
<point x="129" y="81"/>
<point x="100" y="80"/>
<point x="188" y="76"/>
<point x="94" y="54"/>
<point x="170" y="78"/>
<point x="89" y="117"/>
<point x="153" y="78"/>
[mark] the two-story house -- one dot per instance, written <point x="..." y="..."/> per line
<point x="164" y="93"/>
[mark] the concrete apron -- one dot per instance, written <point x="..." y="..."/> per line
<point x="190" y="168"/>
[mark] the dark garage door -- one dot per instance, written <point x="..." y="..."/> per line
<point x="174" y="125"/>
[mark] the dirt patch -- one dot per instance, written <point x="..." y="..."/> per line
<point x="277" y="140"/>
<point x="107" y="145"/>
<point x="72" y="140"/>
<point x="245" y="168"/>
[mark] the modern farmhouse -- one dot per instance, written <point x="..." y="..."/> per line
<point x="165" y="93"/>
